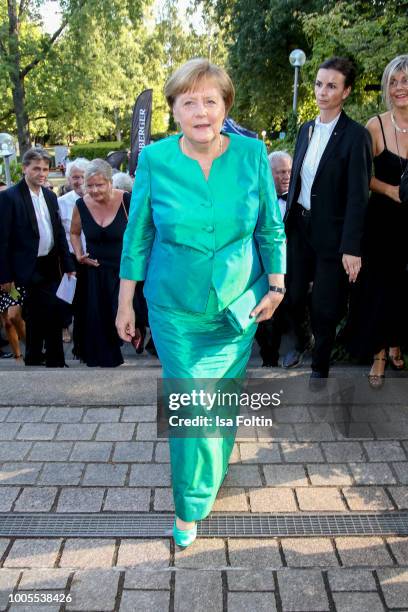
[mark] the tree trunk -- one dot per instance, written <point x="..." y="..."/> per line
<point x="117" y="125"/>
<point x="23" y="130"/>
<point x="17" y="80"/>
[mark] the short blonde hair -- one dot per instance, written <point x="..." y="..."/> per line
<point x="398" y="64"/>
<point x="189" y="74"/>
<point x="98" y="166"/>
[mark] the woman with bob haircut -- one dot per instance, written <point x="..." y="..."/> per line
<point x="102" y="215"/>
<point x="377" y="316"/>
<point x="204" y="227"/>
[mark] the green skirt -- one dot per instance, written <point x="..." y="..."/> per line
<point x="199" y="345"/>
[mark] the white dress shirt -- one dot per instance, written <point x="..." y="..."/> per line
<point x="66" y="205"/>
<point x="44" y="223"/>
<point x="318" y="143"/>
<point x="282" y="206"/>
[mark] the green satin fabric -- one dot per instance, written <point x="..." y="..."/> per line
<point x="186" y="234"/>
<point x="200" y="244"/>
<point x="195" y="345"/>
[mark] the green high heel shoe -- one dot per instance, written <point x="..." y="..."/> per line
<point x="184" y="537"/>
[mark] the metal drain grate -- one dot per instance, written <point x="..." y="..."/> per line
<point x="147" y="525"/>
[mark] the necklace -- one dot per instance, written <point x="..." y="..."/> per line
<point x="396" y="126"/>
<point x="204" y="166"/>
<point x="399" y="155"/>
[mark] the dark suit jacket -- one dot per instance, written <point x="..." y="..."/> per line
<point x="340" y="190"/>
<point x="20" y="237"/>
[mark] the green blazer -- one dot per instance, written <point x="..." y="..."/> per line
<point x="187" y="234"/>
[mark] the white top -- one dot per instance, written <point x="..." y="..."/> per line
<point x="282" y="206"/>
<point x="44" y="223"/>
<point x="66" y="205"/>
<point x="317" y="145"/>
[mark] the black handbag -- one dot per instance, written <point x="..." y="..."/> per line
<point x="403" y="189"/>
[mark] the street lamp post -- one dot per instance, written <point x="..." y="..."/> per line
<point x="6" y="151"/>
<point x="297" y="59"/>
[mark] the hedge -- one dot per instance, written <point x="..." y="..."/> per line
<point x="96" y="149"/>
<point x="92" y="150"/>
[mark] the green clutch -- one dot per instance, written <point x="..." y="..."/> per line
<point x="239" y="310"/>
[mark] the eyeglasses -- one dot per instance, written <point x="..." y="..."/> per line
<point x="403" y="82"/>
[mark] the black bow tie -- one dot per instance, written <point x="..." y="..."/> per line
<point x="284" y="196"/>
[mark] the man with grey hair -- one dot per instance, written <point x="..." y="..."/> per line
<point x="281" y="166"/>
<point x="74" y="174"/>
<point x="269" y="333"/>
<point x="33" y="252"/>
<point x="123" y="181"/>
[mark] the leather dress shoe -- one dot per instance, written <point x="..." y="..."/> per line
<point x="318" y="380"/>
<point x="35" y="362"/>
<point x="270" y="363"/>
<point x="292" y="359"/>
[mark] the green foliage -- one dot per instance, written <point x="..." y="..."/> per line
<point x="179" y="43"/>
<point x="160" y="135"/>
<point x="260" y="34"/>
<point x="16" y="172"/>
<point x="95" y="149"/>
<point x="84" y="83"/>
<point x="285" y="144"/>
<point x="371" y="34"/>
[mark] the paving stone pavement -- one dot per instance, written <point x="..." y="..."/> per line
<point x="102" y="455"/>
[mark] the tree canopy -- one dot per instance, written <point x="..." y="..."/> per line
<point x="80" y="82"/>
<point x="260" y="34"/>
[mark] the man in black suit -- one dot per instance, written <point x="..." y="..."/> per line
<point x="33" y="253"/>
<point x="326" y="208"/>
<point x="269" y="333"/>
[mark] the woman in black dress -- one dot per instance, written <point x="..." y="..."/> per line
<point x="378" y="309"/>
<point x="102" y="215"/>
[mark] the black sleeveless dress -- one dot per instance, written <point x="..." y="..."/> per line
<point x="100" y="345"/>
<point x="378" y="307"/>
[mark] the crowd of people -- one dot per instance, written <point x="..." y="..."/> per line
<point x="92" y="214"/>
<point x="200" y="250"/>
<point x="345" y="248"/>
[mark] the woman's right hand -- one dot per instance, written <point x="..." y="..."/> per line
<point x="393" y="193"/>
<point x="88" y="261"/>
<point x="126" y="323"/>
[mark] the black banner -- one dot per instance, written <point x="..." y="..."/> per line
<point x="140" y="130"/>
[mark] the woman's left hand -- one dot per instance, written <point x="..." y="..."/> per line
<point x="267" y="306"/>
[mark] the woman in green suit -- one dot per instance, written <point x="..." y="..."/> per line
<point x="204" y="225"/>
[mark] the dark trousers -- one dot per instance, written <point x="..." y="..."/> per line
<point x="79" y="311"/>
<point x="76" y="311"/>
<point x="269" y="336"/>
<point x="329" y="291"/>
<point x="67" y="314"/>
<point x="43" y="316"/>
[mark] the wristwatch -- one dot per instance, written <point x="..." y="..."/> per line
<point x="277" y="289"/>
